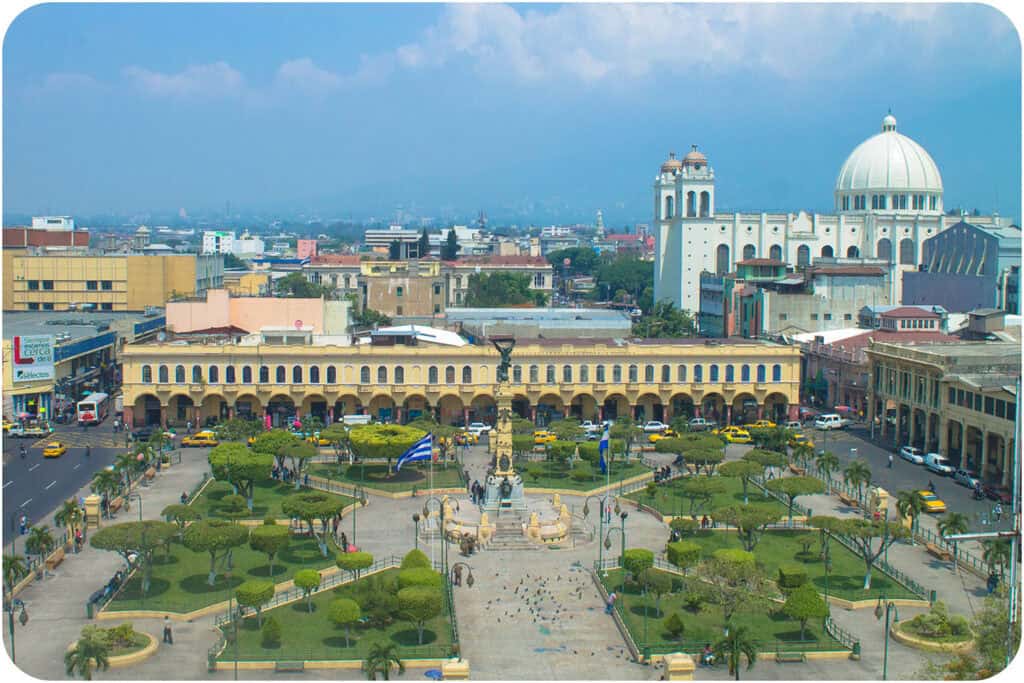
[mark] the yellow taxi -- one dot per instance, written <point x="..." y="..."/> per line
<point x="251" y="440"/>
<point x="734" y="434"/>
<point x="54" y="449"/>
<point x="932" y="503"/>
<point x="466" y="438"/>
<point x="200" y="439"/>
<point x="800" y="439"/>
<point x="318" y="440"/>
<point x="8" y="425"/>
<point x="667" y="434"/>
<point x="762" y="424"/>
<point x="543" y="437"/>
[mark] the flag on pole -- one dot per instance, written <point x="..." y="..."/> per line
<point x="421" y="450"/>
<point x="602" y="448"/>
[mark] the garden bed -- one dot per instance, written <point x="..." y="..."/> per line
<point x="669" y="500"/>
<point x="555" y="476"/>
<point x="267" y="499"/>
<point x="376" y="476"/>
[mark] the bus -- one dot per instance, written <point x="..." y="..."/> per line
<point x="93" y="408"/>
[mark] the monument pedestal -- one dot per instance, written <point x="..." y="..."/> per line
<point x="504" y="492"/>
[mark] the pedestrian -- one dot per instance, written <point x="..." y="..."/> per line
<point x="168" y="637"/>
<point x="115" y="425"/>
<point x="610" y="603"/>
<point x="23" y="525"/>
<point x="704" y="522"/>
<point x="22" y="451"/>
<point x="184" y="498"/>
<point x="188" y="427"/>
<point x="457" y="572"/>
<point x="306" y="480"/>
<point x="334" y="526"/>
<point x="890" y="461"/>
<point x="992" y="583"/>
<point x="997" y="512"/>
<point x="344" y="542"/>
<point x="78" y="540"/>
<point x="88" y="451"/>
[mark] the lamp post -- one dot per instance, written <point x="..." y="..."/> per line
<point x="440" y="518"/>
<point x="889" y="607"/>
<point x="10" y="605"/>
<point x="416" y="521"/>
<point x="234" y="620"/>
<point x="360" y="495"/>
<point x="137" y="497"/>
<point x="826" y="558"/>
<point x="622" y="534"/>
<point x="469" y="579"/>
<point x="600" y="534"/>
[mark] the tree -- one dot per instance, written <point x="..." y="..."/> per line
<point x="793" y="488"/>
<point x="424" y="244"/>
<point x="233" y="507"/>
<point x="70" y="516"/>
<point x="233" y="262"/>
<point x="766" y="459"/>
<point x="450" y="249"/>
<point x="706" y="458"/>
<point x="299" y="454"/>
<point x="255" y="594"/>
<point x="993" y="642"/>
<point x="665" y="322"/>
<point x="735" y="645"/>
<point x="296" y="285"/>
<point x="241" y="467"/>
<point x="733" y="582"/>
<point x="270" y="539"/>
<point x="91" y="649"/>
<point x="804" y="604"/>
<point x="344" y="612"/>
<point x="381" y="657"/>
<point x="744" y="470"/>
<point x="270" y="636"/>
<point x="675" y="626"/>
<point x="314" y="506"/>
<point x="657" y="582"/>
<point x="827" y="463"/>
<point x="700" y="491"/>
<point x="626" y="430"/>
<point x="420" y="604"/>
<point x="954" y="523"/>
<point x="862" y="534"/>
<point x="105" y="483"/>
<point x="273" y="443"/>
<point x="213" y="536"/>
<point x="308" y="580"/>
<point x="383" y="441"/>
<point x="803" y="452"/>
<point x="416" y="559"/>
<point x="136" y="538"/>
<point x="996" y="553"/>
<point x="354" y="562"/>
<point x="684" y="526"/>
<point x="627" y="273"/>
<point x="566" y="430"/>
<point x="910" y="504"/>
<point x="636" y="560"/>
<point x="419" y="576"/>
<point x="180" y="515"/>
<point x="395" y="250"/>
<point x="14" y="571"/>
<point x="683" y="554"/>
<point x="749" y="520"/>
<point x="39" y="542"/>
<point x="582" y="260"/>
<point x="499" y="290"/>
<point x="858" y="474"/>
<point x="771" y="438"/>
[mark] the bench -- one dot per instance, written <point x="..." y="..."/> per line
<point x="289" y="667"/>
<point x="798" y="657"/>
<point x="797" y="470"/>
<point x="56" y="558"/>
<point x="115" y="505"/>
<point x="938" y="552"/>
<point x="848" y="500"/>
<point x="150" y="473"/>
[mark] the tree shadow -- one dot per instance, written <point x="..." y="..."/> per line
<point x="133" y="590"/>
<point x="301" y="607"/>
<point x="263" y="571"/>
<point x="196" y="584"/>
<point x="410" y="637"/>
<point x="339" y="642"/>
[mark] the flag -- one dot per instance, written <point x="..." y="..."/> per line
<point x="421" y="450"/>
<point x="602" y="447"/>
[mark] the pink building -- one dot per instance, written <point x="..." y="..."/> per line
<point x="221" y="313"/>
<point x="306" y="249"/>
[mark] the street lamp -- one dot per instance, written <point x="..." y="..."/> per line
<point x="622" y="534"/>
<point x="360" y="495"/>
<point x="889" y="607"/>
<point x="10" y="605"/>
<point x="600" y="534"/>
<point x="416" y="521"/>
<point x="469" y="579"/>
<point x="234" y="620"/>
<point x="129" y="499"/>
<point x="440" y="517"/>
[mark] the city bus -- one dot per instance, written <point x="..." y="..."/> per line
<point x="93" y="408"/>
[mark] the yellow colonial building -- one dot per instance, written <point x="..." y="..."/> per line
<point x="401" y="375"/>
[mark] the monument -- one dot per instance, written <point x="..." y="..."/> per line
<point x="504" y="490"/>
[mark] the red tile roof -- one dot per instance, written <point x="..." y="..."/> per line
<point x="34" y="237"/>
<point x="909" y="312"/>
<point x="760" y="262"/>
<point x="861" y="341"/>
<point x="848" y="270"/>
<point x="621" y="237"/>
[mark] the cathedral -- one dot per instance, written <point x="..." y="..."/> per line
<point x="888" y="201"/>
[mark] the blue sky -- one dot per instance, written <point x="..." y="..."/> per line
<point x="528" y="111"/>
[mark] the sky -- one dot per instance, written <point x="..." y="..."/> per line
<point x="527" y="112"/>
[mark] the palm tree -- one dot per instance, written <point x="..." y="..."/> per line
<point x="910" y="504"/>
<point x="736" y="644"/>
<point x="39" y="542"/>
<point x="954" y="523"/>
<point x="14" y="570"/>
<point x="803" y="452"/>
<point x="827" y="464"/>
<point x="92" y="649"/>
<point x="380" y="658"/>
<point x="996" y="553"/>
<point x="106" y="483"/>
<point x="69" y="515"/>
<point x="858" y="474"/>
<point x="125" y="465"/>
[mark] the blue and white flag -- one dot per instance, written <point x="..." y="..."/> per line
<point x="602" y="448"/>
<point x="421" y="450"/>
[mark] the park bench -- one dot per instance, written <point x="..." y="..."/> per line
<point x="150" y="473"/>
<point x="116" y="504"/>
<point x="847" y="500"/>
<point x="781" y="656"/>
<point x="289" y="667"/>
<point x="938" y="552"/>
<point x="800" y="471"/>
<point x="56" y="558"/>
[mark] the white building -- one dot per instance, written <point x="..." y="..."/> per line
<point x="53" y="223"/>
<point x="888" y="201"/>
<point x="218" y="242"/>
<point x="248" y="246"/>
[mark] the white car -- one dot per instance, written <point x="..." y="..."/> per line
<point x="830" y="421"/>
<point x="938" y="464"/>
<point x="912" y="454"/>
<point x="654" y="427"/>
<point x="478" y="428"/>
<point x="589" y="427"/>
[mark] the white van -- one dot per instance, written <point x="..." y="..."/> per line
<point x="829" y="421"/>
<point x="357" y="419"/>
<point x="938" y="464"/>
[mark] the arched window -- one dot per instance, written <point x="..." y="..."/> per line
<point x="648" y="373"/>
<point x="567" y="374"/>
<point x="907" y="255"/>
<point x="584" y="374"/>
<point x="147" y="374"/>
<point x="280" y="374"/>
<point x="698" y="373"/>
<point x="517" y="374"/>
<point x="197" y="374"/>
<point x="534" y="374"/>
<point x="691" y="204"/>
<point x="745" y="373"/>
<point x="776" y="373"/>
<point x="467" y="374"/>
<point x="760" y="373"/>
<point x="730" y="374"/>
<point x="550" y="376"/>
<point x="364" y="374"/>
<point x="884" y="249"/>
<point x="749" y="251"/>
<point x="432" y="375"/>
<point x="179" y="374"/>
<point x="332" y="374"/>
<point x="246" y="374"/>
<point x="722" y="264"/>
<point x="616" y="373"/>
<point x="399" y="375"/>
<point x="382" y="374"/>
<point x="713" y="374"/>
<point x="599" y="373"/>
<point x="826" y="251"/>
<point x="314" y="374"/>
<point x="229" y="374"/>
<point x="214" y="372"/>
<point x="449" y="374"/>
<point x="705" y="203"/>
<point x="852" y="252"/>
<point x="803" y="256"/>
<point x="634" y="374"/>
<point x="296" y="374"/>
<point x="668" y="207"/>
<point x="666" y="374"/>
<point x="775" y="252"/>
<point x="681" y="373"/>
<point x="264" y="374"/>
<point x="162" y="374"/>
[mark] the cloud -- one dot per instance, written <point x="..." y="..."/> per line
<point x="202" y="80"/>
<point x="64" y="81"/>
<point x="306" y="76"/>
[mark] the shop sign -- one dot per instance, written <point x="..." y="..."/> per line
<point x="33" y="358"/>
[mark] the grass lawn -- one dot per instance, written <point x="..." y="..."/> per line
<point x="266" y="500"/>
<point x="375" y="476"/>
<point x="846" y="580"/>
<point x="306" y="636"/>
<point x="706" y="626"/>
<point x="669" y="499"/>
<point x="557" y="477"/>
<point x="179" y="581"/>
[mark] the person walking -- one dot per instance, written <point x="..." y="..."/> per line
<point x="997" y="512"/>
<point x="610" y="603"/>
<point x="22" y="451"/>
<point x="23" y="525"/>
<point x="88" y="451"/>
<point x="344" y="542"/>
<point x="457" y="575"/>
<point x="890" y="461"/>
<point x="188" y="427"/>
<point x="168" y="636"/>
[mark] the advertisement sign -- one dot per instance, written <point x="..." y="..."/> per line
<point x="33" y="358"/>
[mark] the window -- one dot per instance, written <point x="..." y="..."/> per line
<point x="803" y="256"/>
<point x="229" y="374"/>
<point x="467" y="374"/>
<point x="432" y="375"/>
<point x="730" y="373"/>
<point x="279" y="375"/>
<point x="776" y="373"/>
<point x="648" y="373"/>
<point x="147" y="374"/>
<point x="713" y="373"/>
<point x="760" y="373"/>
<point x="399" y="375"/>
<point x="449" y="374"/>
<point x="246" y="374"/>
<point x="933" y="202"/>
<point x="314" y="374"/>
<point x="32" y="284"/>
<point x="538" y="280"/>
<point x="814" y="316"/>
<point x="534" y="374"/>
<point x="105" y="306"/>
<point x="745" y="373"/>
<point x="296" y="374"/>
<point x="33" y="306"/>
<point x="828" y="316"/>
<point x="437" y="308"/>
<point x="666" y="374"/>
<point x="698" y="373"/>
<point x="364" y="374"/>
<point x="634" y="374"/>
<point x="332" y="374"/>
<point x="48" y="284"/>
<point x="567" y="374"/>
<point x="783" y="316"/>
<point x="616" y="373"/>
<point x="92" y="285"/>
<point x="179" y="374"/>
<point x="106" y="285"/>
<point x="990" y="405"/>
<point x="1011" y="411"/>
<point x="399" y="291"/>
<point x="977" y="402"/>
<point x="681" y="373"/>
<point x="600" y="374"/>
<point x="585" y="374"/>
<point x="437" y="289"/>
<point x="1000" y="408"/>
<point x="550" y="376"/>
<point x="382" y="375"/>
<point x="517" y="374"/>
<point x="398" y="310"/>
<point x="264" y="374"/>
<point x="847" y="316"/>
<point x="214" y="373"/>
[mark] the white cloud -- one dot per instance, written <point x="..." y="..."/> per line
<point x="306" y="76"/>
<point x="201" y="80"/>
<point x="65" y="81"/>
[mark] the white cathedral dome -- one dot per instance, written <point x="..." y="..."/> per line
<point x="888" y="162"/>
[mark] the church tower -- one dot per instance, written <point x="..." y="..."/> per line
<point x="697" y="186"/>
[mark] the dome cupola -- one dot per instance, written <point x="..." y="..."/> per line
<point x="671" y="164"/>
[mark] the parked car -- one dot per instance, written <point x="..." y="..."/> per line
<point x="761" y="424"/>
<point x="590" y="427"/>
<point x="204" y="438"/>
<point x="911" y="454"/>
<point x="794" y="424"/>
<point x="998" y="493"/>
<point x="142" y="433"/>
<point x="799" y="439"/>
<point x="966" y="478"/>
<point x="938" y="464"/>
<point x="667" y="434"/>
<point x="699" y="424"/>
<point x="478" y="428"/>
<point x="830" y="421"/>
<point x="655" y="426"/>
<point x="932" y="503"/>
<point x="542" y="437"/>
<point x="734" y="434"/>
<point x="54" y="449"/>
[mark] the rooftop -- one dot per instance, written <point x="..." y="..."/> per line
<point x="761" y="262"/>
<point x="908" y="311"/>
<point x="848" y="270"/>
<point x="533" y="313"/>
<point x="78" y="324"/>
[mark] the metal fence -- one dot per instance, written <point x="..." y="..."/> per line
<point x="198" y="487"/>
<point x="964" y="557"/>
<point x="842" y="635"/>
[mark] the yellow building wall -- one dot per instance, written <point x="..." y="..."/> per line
<point x="250" y="284"/>
<point x="155" y="279"/>
<point x="69" y="275"/>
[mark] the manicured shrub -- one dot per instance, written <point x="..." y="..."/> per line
<point x="734" y="556"/>
<point x="270" y="634"/>
<point x="683" y="554"/>
<point x="419" y="576"/>
<point x="791" y="577"/>
<point x="674" y="625"/>
<point x="636" y="560"/>
<point x="415" y="559"/>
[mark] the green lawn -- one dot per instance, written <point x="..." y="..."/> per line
<point x="179" y="580"/>
<point x="266" y="501"/>
<point x="375" y="476"/>
<point x="772" y="629"/>
<point x="557" y="477"/>
<point x="776" y="548"/>
<point x="307" y="637"/>
<point x="669" y="499"/>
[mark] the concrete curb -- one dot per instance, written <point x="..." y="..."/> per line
<point x="928" y="645"/>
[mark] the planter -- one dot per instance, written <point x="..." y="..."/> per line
<point x="922" y="643"/>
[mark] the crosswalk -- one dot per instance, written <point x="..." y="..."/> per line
<point x="80" y="439"/>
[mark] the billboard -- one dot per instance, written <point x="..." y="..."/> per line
<point x="33" y="358"/>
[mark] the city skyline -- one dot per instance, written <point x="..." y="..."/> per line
<point x="536" y="113"/>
